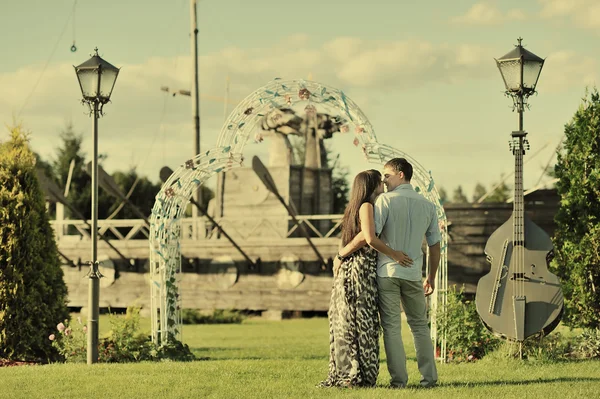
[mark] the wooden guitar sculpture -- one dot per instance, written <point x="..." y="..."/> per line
<point x="519" y="297"/>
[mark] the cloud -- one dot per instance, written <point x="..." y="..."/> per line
<point x="560" y="8"/>
<point x="566" y="69"/>
<point x="582" y="13"/>
<point x="147" y="127"/>
<point x="342" y="62"/>
<point x="404" y="64"/>
<point x="486" y="13"/>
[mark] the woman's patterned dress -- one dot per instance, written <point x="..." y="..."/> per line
<point x="354" y="323"/>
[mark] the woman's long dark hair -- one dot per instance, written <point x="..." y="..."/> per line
<point x="364" y="185"/>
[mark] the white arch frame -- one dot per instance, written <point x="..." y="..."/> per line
<point x="175" y="194"/>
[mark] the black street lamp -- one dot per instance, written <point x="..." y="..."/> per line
<point x="96" y="79"/>
<point x="520" y="71"/>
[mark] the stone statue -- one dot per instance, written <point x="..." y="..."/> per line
<point x="279" y="124"/>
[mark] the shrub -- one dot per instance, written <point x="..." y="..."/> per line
<point x="577" y="235"/>
<point x="467" y="338"/>
<point x="192" y="316"/>
<point x="174" y="350"/>
<point x="588" y="345"/>
<point x="70" y="341"/>
<point x="124" y="343"/>
<point x="33" y="293"/>
<point x="549" y="348"/>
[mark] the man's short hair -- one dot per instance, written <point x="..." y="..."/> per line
<point x="401" y="165"/>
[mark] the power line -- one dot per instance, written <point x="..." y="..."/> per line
<point x="160" y="127"/>
<point x="170" y="26"/>
<point x="545" y="169"/>
<point x="48" y="61"/>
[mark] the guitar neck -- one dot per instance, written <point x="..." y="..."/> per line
<point x="519" y="200"/>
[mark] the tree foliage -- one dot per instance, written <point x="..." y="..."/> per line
<point x="577" y="235"/>
<point x="478" y="192"/>
<point x="142" y="196"/>
<point x="32" y="290"/>
<point x="502" y="192"/>
<point x="340" y="188"/>
<point x="80" y="189"/>
<point x="443" y="195"/>
<point x="459" y="197"/>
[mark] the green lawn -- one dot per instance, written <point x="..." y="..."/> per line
<point x="267" y="359"/>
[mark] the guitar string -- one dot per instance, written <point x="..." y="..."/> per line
<point x="520" y="211"/>
<point x="522" y="219"/>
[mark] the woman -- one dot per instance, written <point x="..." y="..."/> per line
<point x="353" y="317"/>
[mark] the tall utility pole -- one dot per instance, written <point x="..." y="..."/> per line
<point x="195" y="95"/>
<point x="221" y="175"/>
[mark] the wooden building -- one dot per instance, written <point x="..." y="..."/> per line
<point x="288" y="276"/>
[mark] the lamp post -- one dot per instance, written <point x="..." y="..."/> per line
<point x="96" y="79"/>
<point x="520" y="70"/>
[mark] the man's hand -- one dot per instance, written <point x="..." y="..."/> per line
<point x="429" y="286"/>
<point x="403" y="259"/>
<point x="336" y="266"/>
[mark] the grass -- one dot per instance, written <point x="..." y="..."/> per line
<point x="286" y="359"/>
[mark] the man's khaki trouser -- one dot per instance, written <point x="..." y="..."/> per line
<point x="392" y="292"/>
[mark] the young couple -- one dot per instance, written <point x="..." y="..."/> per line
<point x="379" y="267"/>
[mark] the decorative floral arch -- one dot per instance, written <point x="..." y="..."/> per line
<point x="175" y="194"/>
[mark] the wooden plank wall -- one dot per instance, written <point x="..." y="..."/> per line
<point x="470" y="228"/>
<point x="273" y="286"/>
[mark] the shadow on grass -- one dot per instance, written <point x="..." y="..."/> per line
<point x="408" y="359"/>
<point x="313" y="357"/>
<point x="219" y="353"/>
<point x="215" y="349"/>
<point x="198" y="352"/>
<point x="521" y="382"/>
<point x="206" y="358"/>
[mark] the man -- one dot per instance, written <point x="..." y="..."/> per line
<point x="403" y="217"/>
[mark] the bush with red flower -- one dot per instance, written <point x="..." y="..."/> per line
<point x="467" y="339"/>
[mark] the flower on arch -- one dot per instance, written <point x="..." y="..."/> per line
<point x="359" y="130"/>
<point x="304" y="94"/>
<point x="52" y="337"/>
<point x="60" y="327"/>
<point x="68" y="331"/>
<point x="288" y="99"/>
<point x="276" y="117"/>
<point x="310" y="110"/>
<point x="258" y="137"/>
<point x="169" y="192"/>
<point x="248" y="111"/>
<point x="355" y="141"/>
<point x="344" y="129"/>
<point x="441" y="225"/>
<point x="189" y="164"/>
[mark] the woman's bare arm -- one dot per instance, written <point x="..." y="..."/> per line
<point x="367" y="226"/>
<point x="357" y="243"/>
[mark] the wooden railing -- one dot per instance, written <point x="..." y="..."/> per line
<point x="317" y="226"/>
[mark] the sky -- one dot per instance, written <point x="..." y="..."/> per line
<point x="422" y="72"/>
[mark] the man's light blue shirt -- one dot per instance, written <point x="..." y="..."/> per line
<point x="402" y="218"/>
